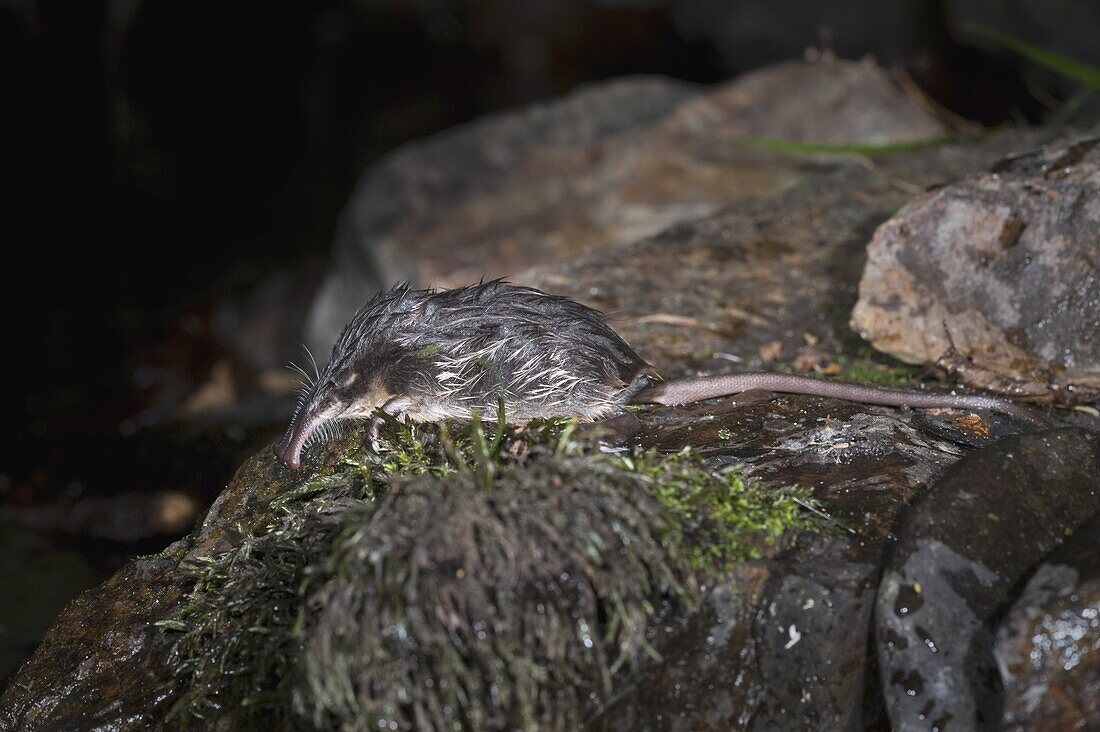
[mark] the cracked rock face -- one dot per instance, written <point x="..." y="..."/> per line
<point x="998" y="275"/>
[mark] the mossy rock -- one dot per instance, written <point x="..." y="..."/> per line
<point x="475" y="580"/>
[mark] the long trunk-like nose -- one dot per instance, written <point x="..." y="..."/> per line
<point x="300" y="430"/>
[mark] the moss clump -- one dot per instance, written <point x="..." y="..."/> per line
<point x="868" y="367"/>
<point x="240" y="627"/>
<point x="732" y="518"/>
<point x="449" y="605"/>
<point x="468" y="580"/>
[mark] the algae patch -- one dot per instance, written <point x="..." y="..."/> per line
<point x="472" y="579"/>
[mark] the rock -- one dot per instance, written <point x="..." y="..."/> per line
<point x="452" y="195"/>
<point x="1048" y="644"/>
<point x="300" y="586"/>
<point x="608" y="165"/>
<point x="998" y="274"/>
<point x="761" y="271"/>
<point x="831" y="101"/>
<point x="963" y="549"/>
<point x="40" y="578"/>
<point x="109" y="660"/>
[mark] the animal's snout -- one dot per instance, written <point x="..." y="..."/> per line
<point x="288" y="455"/>
<point x="299" y="432"/>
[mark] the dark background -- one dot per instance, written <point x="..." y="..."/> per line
<point x="164" y="158"/>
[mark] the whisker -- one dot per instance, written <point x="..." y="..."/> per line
<point x="316" y="370"/>
<point x="309" y="380"/>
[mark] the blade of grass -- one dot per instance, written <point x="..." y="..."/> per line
<point x="1069" y="67"/>
<point x="494" y="449"/>
<point x="1064" y="113"/>
<point x="483" y="461"/>
<point x="869" y="149"/>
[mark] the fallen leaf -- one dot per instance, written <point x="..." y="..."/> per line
<point x="770" y="351"/>
<point x="972" y="424"/>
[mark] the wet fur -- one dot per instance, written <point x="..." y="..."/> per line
<point x="439" y="354"/>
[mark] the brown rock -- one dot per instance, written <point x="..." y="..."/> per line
<point x="751" y="279"/>
<point x="998" y="275"/>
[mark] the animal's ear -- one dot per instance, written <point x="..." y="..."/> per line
<point x="349" y="379"/>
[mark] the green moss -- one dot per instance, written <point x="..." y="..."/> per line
<point x="720" y="516"/>
<point x="239" y="626"/>
<point x="461" y="576"/>
<point x="865" y="369"/>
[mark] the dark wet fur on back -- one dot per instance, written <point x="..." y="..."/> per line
<point x="500" y="337"/>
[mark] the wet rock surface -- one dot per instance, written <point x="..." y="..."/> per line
<point x="963" y="549"/>
<point x="102" y="665"/>
<point x="1048" y="644"/>
<point x="786" y="643"/>
<point x="997" y="274"/>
